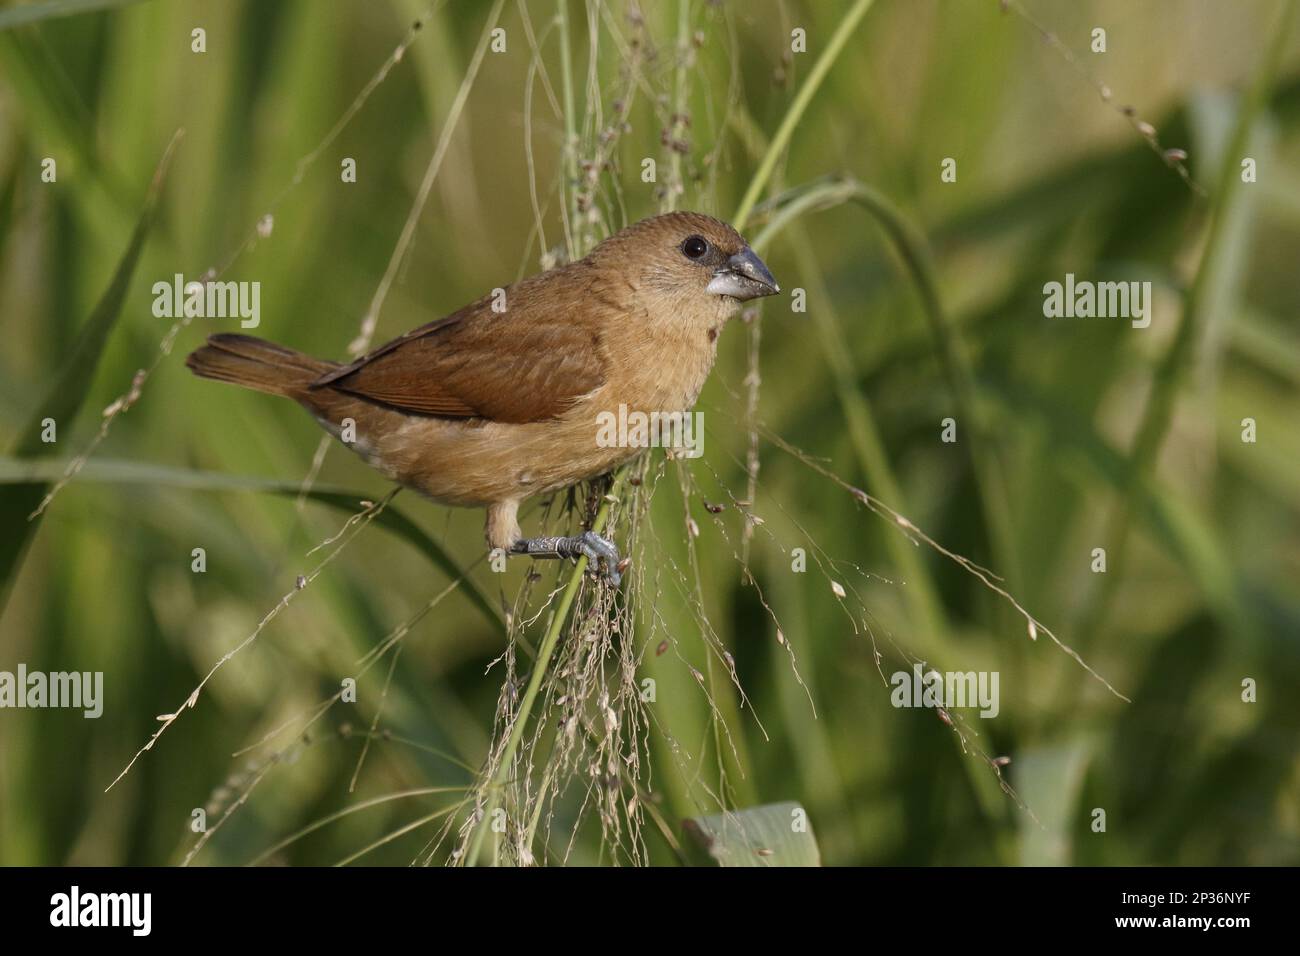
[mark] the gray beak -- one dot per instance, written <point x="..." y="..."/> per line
<point x="743" y="277"/>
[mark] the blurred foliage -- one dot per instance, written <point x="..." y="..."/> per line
<point x="1204" y="553"/>
<point x="773" y="835"/>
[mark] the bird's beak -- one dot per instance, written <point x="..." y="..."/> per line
<point x="743" y="277"/>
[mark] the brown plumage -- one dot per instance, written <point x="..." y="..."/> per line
<point x="499" y="400"/>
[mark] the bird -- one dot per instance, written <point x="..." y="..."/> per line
<point x="499" y="401"/>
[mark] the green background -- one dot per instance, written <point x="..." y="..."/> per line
<point x="1073" y="434"/>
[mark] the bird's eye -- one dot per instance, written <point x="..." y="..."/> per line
<point x="694" y="247"/>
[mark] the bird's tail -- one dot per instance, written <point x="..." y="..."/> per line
<point x="257" y="364"/>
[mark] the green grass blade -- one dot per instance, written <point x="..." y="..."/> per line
<point x="1175" y="364"/>
<point x="1050" y="780"/>
<point x="777" y="834"/>
<point x="31" y="475"/>
<point x="53" y="9"/>
<point x="71" y="386"/>
<point x="54" y="109"/>
<point x="800" y="105"/>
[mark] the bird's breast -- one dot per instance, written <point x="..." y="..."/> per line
<point x="657" y="369"/>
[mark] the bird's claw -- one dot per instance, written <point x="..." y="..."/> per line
<point x="602" y="556"/>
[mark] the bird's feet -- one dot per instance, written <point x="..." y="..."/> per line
<point x="601" y="554"/>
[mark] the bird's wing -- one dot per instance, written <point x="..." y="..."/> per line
<point x="526" y="364"/>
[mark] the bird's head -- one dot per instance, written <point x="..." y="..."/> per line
<point x="698" y="263"/>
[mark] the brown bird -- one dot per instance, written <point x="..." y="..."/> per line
<point x="500" y="400"/>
